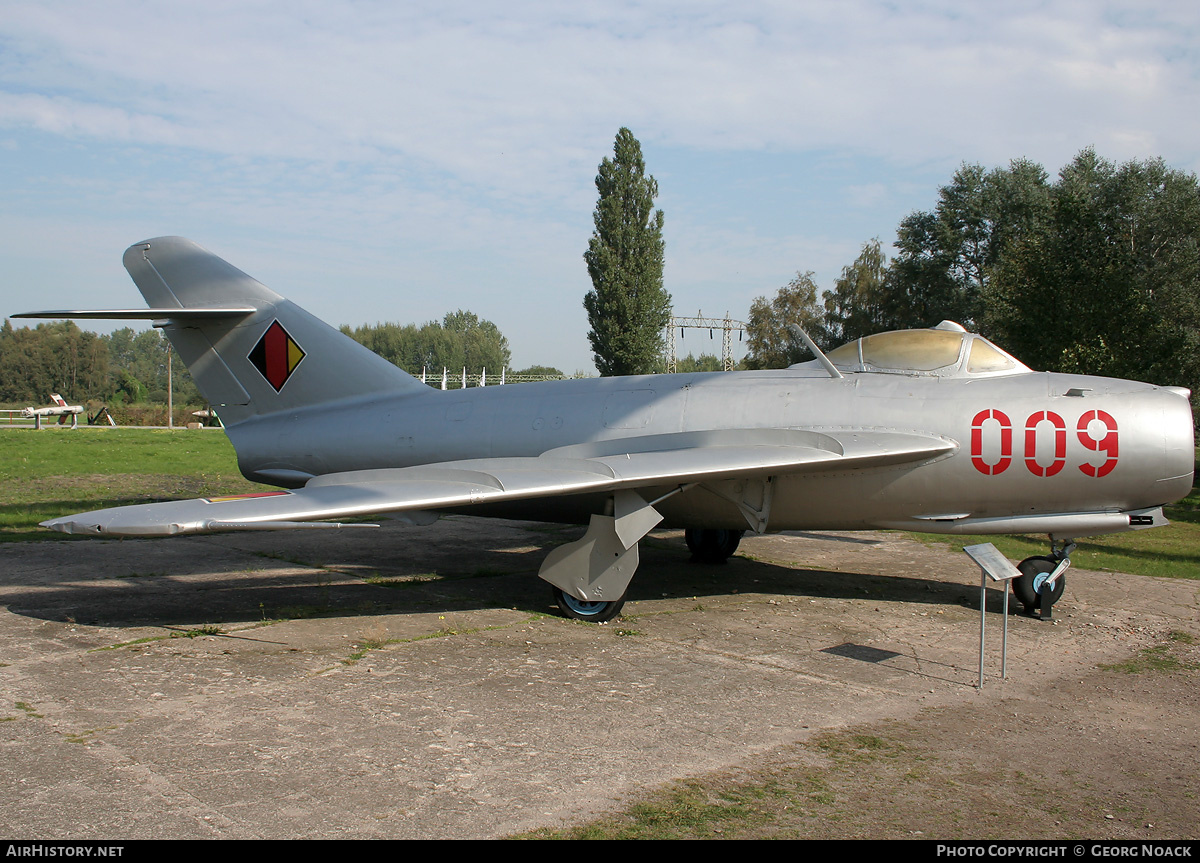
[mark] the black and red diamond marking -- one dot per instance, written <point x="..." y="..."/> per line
<point x="276" y="355"/>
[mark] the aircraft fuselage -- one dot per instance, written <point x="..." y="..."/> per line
<point x="1023" y="444"/>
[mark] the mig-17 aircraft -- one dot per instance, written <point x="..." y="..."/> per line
<point x="935" y="430"/>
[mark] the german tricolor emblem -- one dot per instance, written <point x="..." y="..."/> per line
<point x="276" y="355"/>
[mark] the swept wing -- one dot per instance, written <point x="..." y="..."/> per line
<point x="605" y="466"/>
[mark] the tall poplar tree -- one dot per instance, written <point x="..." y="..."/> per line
<point x="628" y="308"/>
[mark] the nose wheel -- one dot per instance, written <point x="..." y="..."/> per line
<point x="1042" y="582"/>
<point x="1027" y="589"/>
<point x="582" y="609"/>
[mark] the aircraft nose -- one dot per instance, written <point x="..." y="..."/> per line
<point x="1179" y="444"/>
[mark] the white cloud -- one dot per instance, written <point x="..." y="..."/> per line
<point x="456" y="90"/>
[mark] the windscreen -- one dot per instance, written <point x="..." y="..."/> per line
<point x="903" y="350"/>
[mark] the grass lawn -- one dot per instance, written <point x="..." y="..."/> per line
<point x="56" y="472"/>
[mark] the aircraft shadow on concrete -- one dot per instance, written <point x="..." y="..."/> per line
<point x="269" y="576"/>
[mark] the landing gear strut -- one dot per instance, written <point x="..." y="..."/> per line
<point x="587" y="572"/>
<point x="1042" y="583"/>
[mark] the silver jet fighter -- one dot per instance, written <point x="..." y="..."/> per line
<point x="933" y="430"/>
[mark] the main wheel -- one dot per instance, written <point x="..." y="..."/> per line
<point x="712" y="546"/>
<point x="1034" y="571"/>
<point x="582" y="609"/>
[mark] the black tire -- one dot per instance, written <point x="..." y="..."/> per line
<point x="593" y="612"/>
<point x="1033" y="573"/>
<point x="712" y="546"/>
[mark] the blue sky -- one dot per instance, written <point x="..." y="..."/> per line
<point x="380" y="161"/>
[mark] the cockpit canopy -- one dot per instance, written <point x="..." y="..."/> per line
<point x="946" y="350"/>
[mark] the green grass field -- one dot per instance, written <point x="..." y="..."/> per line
<point x="57" y="472"/>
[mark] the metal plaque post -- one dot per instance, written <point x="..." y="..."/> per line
<point x="993" y="565"/>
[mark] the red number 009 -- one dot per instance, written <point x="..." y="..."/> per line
<point x="1107" y="444"/>
<point x="1096" y="430"/>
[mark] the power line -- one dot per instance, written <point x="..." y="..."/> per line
<point x="726" y="325"/>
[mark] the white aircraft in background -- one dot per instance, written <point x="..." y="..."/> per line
<point x="59" y="409"/>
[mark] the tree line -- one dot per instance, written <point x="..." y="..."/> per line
<point x="128" y="367"/>
<point x="123" y="368"/>
<point x="460" y="340"/>
<point x="1097" y="271"/>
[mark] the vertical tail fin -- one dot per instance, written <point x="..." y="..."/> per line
<point x="251" y="351"/>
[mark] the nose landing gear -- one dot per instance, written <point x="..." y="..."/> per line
<point x="1042" y="583"/>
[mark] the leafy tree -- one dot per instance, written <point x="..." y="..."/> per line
<point x="52" y="357"/>
<point x="1111" y="285"/>
<point x="628" y="308"/>
<point x="483" y="345"/>
<point x="461" y="340"/>
<point x="770" y="343"/>
<point x="390" y="341"/>
<point x="128" y="390"/>
<point x="702" y="363"/>
<point x="139" y="369"/>
<point x="538" y="371"/>
<point x="946" y="257"/>
<point x="858" y="304"/>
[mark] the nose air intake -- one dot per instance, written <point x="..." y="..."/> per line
<point x="1179" y="446"/>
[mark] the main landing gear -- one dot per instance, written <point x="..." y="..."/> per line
<point x="582" y="609"/>
<point x="712" y="546"/>
<point x="1042" y="583"/>
<point x="587" y="572"/>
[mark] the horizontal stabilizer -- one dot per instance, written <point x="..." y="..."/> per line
<point x="630" y="463"/>
<point x="250" y="351"/>
<point x="143" y="314"/>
